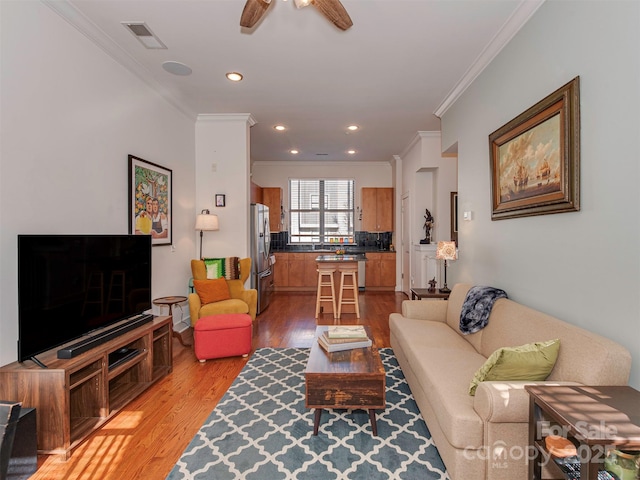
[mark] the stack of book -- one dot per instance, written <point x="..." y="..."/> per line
<point x="343" y="337"/>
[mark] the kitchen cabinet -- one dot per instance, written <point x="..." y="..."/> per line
<point x="295" y="271"/>
<point x="281" y="270"/>
<point x="377" y="209"/>
<point x="310" y="270"/>
<point x="272" y="198"/>
<point x="380" y="273"/>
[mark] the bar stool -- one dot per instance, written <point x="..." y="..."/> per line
<point x="348" y="271"/>
<point x="324" y="272"/>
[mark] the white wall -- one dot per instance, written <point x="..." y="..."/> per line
<point x="428" y="179"/>
<point x="277" y="174"/>
<point x="222" y="167"/>
<point x="70" y="116"/>
<point x="583" y="267"/>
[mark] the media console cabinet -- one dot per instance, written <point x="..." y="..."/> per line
<point x="74" y="397"/>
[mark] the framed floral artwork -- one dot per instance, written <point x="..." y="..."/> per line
<point x="535" y="158"/>
<point x="150" y="192"/>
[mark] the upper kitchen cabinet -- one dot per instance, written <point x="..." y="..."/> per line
<point x="377" y="209"/>
<point x="272" y="198"/>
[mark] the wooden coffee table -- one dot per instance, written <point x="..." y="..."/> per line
<point x="348" y="379"/>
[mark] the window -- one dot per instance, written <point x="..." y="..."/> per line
<point x="315" y="221"/>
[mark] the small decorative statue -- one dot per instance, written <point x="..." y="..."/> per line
<point x="432" y="285"/>
<point x="428" y="225"/>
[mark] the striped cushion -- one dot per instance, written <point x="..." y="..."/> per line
<point x="228" y="268"/>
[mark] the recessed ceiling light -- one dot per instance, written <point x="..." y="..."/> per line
<point x="176" y="68"/>
<point x="353" y="128"/>
<point x="351" y="152"/>
<point x="234" y="76"/>
<point x="280" y="128"/>
<point x="294" y="152"/>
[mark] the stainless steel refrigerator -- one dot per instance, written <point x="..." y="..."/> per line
<point x="262" y="274"/>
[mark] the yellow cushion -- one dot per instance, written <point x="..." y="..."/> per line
<point x="211" y="291"/>
<point x="233" y="305"/>
<point x="533" y="361"/>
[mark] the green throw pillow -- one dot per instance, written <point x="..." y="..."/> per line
<point x="533" y="361"/>
<point x="214" y="267"/>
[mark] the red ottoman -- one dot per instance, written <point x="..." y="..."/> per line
<point x="223" y="335"/>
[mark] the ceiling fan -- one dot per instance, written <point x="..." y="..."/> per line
<point x="332" y="9"/>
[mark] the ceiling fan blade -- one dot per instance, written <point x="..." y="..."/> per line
<point x="334" y="11"/>
<point x="253" y="12"/>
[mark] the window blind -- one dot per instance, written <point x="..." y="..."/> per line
<point x="321" y="210"/>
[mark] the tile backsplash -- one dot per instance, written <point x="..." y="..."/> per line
<point x="369" y="240"/>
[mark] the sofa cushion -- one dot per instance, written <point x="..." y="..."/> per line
<point x="443" y="374"/>
<point x="533" y="361"/>
<point x="512" y="324"/>
<point x="456" y="300"/>
<point x="443" y="362"/>
<point x="423" y="334"/>
<point x="233" y="305"/>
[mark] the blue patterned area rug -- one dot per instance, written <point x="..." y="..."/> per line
<point x="261" y="430"/>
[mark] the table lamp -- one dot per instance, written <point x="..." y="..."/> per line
<point x="206" y="222"/>
<point x="446" y="251"/>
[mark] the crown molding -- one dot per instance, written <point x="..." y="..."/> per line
<point x="419" y="136"/>
<point x="514" y="23"/>
<point x="226" y="117"/>
<point x="86" y="27"/>
<point x="322" y="163"/>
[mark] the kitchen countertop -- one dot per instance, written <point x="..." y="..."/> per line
<point x="353" y="250"/>
<point x="341" y="258"/>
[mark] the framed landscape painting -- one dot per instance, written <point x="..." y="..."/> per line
<point x="535" y="158"/>
<point x="150" y="194"/>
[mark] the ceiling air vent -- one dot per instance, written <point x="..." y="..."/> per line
<point x="144" y="35"/>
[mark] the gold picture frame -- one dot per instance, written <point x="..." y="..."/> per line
<point x="535" y="158"/>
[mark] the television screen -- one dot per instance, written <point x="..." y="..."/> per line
<point x="70" y="285"/>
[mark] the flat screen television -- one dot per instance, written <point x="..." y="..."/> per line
<point x="72" y="285"/>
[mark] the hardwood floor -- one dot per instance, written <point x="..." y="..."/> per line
<point x="146" y="438"/>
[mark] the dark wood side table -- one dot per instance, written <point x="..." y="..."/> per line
<point x="420" y="293"/>
<point x="170" y="302"/>
<point x="596" y="419"/>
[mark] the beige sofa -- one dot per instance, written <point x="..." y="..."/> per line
<point x="486" y="436"/>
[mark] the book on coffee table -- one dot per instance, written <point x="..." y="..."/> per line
<point x="340" y="344"/>
<point x="346" y="331"/>
<point x="332" y="346"/>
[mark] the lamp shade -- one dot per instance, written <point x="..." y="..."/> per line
<point x="207" y="222"/>
<point x="446" y="251"/>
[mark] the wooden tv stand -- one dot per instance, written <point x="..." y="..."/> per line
<point x="74" y="397"/>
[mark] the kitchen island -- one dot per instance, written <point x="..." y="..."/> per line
<point x="342" y="263"/>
